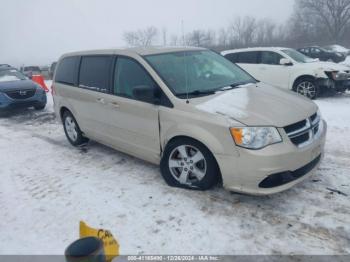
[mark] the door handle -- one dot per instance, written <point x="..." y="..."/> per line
<point x="100" y="100"/>
<point x="114" y="104"/>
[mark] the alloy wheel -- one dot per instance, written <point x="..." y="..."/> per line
<point x="307" y="89"/>
<point x="187" y="165"/>
<point x="71" y="128"/>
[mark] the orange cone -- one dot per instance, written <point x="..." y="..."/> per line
<point x="39" y="79"/>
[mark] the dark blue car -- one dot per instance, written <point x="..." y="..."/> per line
<point x="17" y="91"/>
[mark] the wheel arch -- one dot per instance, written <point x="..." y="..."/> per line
<point x="195" y="132"/>
<point x="301" y="78"/>
<point x="178" y="137"/>
<point x="64" y="109"/>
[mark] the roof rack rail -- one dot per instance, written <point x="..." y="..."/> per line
<point x="7" y="65"/>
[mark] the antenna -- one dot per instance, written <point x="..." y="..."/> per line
<point x="184" y="56"/>
<point x="186" y="77"/>
<point x="183" y="32"/>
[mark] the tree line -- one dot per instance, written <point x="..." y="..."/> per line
<point x="313" y="22"/>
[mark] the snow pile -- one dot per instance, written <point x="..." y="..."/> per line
<point x="232" y="103"/>
<point x="347" y="61"/>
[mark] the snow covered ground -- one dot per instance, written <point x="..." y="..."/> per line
<point x="47" y="187"/>
<point x="347" y="61"/>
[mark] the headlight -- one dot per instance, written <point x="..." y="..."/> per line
<point x="255" y="137"/>
<point x="333" y="75"/>
<point x="336" y="75"/>
<point x="319" y="113"/>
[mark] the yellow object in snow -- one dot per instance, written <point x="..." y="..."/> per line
<point x="110" y="244"/>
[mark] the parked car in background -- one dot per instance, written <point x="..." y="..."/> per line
<point x="199" y="116"/>
<point x="17" y="91"/>
<point x="290" y="69"/>
<point x="29" y="71"/>
<point x="45" y="71"/>
<point x="52" y="69"/>
<point x="322" y="54"/>
<point x="339" y="49"/>
<point x="346" y="62"/>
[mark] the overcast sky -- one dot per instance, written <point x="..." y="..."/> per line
<point x="39" y="31"/>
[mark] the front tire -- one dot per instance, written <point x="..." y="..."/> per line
<point x="187" y="163"/>
<point x="41" y="107"/>
<point x="307" y="87"/>
<point x="72" y="130"/>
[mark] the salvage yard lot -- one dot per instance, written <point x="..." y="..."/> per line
<point x="47" y="187"/>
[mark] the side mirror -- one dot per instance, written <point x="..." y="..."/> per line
<point x="286" y="62"/>
<point x="146" y="94"/>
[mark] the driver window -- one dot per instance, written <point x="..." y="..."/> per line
<point x="270" y="58"/>
<point x="315" y="50"/>
<point x="128" y="75"/>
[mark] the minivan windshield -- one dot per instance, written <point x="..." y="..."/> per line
<point x="11" y="75"/>
<point x="198" y="73"/>
<point x="297" y="56"/>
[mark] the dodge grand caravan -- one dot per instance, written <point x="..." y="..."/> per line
<point x="200" y="117"/>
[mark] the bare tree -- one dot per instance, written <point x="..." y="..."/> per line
<point x="223" y="37"/>
<point x="265" y="32"/>
<point x="200" y="38"/>
<point x="332" y="15"/>
<point x="243" y="31"/>
<point x="195" y="38"/>
<point x="145" y="37"/>
<point x="313" y="22"/>
<point x="164" y="35"/>
<point x="174" y="40"/>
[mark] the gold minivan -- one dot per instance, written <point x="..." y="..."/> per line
<point x="203" y="119"/>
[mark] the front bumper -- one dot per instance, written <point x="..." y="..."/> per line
<point x="8" y="103"/>
<point x="249" y="172"/>
<point x="335" y="85"/>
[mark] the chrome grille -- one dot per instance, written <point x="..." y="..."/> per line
<point x="302" y="133"/>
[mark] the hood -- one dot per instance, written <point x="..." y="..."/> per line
<point x="17" y="85"/>
<point x="326" y="66"/>
<point x="260" y="105"/>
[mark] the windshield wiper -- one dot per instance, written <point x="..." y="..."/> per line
<point x="213" y="91"/>
<point x="198" y="93"/>
<point x="234" y="86"/>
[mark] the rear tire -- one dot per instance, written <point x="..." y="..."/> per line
<point x="72" y="130"/>
<point x="189" y="164"/>
<point x="307" y="87"/>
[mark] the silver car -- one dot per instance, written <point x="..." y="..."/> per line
<point x="200" y="117"/>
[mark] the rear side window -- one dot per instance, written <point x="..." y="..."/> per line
<point x="95" y="72"/>
<point x="67" y="71"/>
<point x="248" y="58"/>
<point x="270" y="58"/>
<point x="232" y="57"/>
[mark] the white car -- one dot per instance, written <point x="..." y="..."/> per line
<point x="338" y="48"/>
<point x="290" y="69"/>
